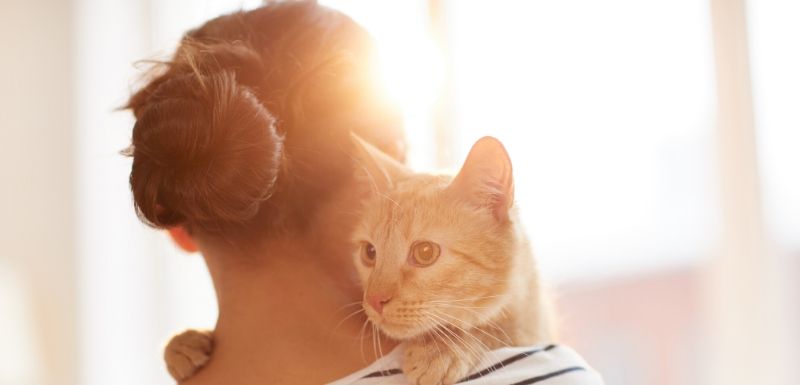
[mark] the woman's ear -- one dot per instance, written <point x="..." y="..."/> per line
<point x="485" y="179"/>
<point x="182" y="239"/>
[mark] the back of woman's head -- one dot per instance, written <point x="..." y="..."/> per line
<point x="246" y="130"/>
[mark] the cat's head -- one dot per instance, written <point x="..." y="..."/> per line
<point x="435" y="250"/>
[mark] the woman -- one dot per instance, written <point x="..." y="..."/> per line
<point x="241" y="149"/>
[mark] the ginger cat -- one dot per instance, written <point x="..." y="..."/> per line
<point x="444" y="263"/>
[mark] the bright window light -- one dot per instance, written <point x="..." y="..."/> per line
<point x="774" y="36"/>
<point x="606" y="107"/>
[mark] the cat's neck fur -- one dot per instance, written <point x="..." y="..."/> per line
<point x="529" y="291"/>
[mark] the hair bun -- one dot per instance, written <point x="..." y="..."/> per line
<point x="205" y="152"/>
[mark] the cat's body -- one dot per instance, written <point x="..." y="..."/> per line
<point x="445" y="265"/>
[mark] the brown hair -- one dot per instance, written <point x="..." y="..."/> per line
<point x="249" y="123"/>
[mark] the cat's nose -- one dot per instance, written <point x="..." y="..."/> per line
<point x="377" y="301"/>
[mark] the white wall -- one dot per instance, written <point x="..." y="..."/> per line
<point x="37" y="232"/>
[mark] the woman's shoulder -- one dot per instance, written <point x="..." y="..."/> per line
<point x="542" y="364"/>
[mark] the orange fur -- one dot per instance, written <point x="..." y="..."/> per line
<point x="483" y="290"/>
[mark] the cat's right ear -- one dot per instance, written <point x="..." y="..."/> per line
<point x="485" y="179"/>
<point x="375" y="167"/>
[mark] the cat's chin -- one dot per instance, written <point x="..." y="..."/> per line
<point x="398" y="331"/>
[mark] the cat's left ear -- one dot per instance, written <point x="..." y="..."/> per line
<point x="486" y="179"/>
<point x="379" y="169"/>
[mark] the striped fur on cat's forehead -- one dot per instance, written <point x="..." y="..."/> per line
<point x="419" y="207"/>
<point x="406" y="206"/>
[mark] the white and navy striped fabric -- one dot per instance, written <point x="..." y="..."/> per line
<point x="544" y="364"/>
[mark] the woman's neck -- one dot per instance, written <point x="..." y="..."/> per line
<point x="290" y="312"/>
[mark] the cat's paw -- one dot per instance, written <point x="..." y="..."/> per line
<point x="187" y="352"/>
<point x="431" y="365"/>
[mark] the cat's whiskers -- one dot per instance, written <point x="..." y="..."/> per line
<point x="467" y="345"/>
<point x="475" y="351"/>
<point x="346" y="318"/>
<point x="448" y="333"/>
<point x="433" y="331"/>
<point x="437" y="333"/>
<point x="378" y="337"/>
<point x="361" y="339"/>
<point x="451" y="345"/>
<point x="461" y="300"/>
<point x="374" y="342"/>
<point x="350" y="304"/>
<point x="487" y="350"/>
<point x="436" y="345"/>
<point x="467" y="299"/>
<point x="504" y="314"/>
<point x="452" y="306"/>
<point x="482" y="345"/>
<point x="480" y="315"/>
<point x="478" y="328"/>
<point x="492" y="324"/>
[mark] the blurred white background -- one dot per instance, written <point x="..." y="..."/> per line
<point x="655" y="152"/>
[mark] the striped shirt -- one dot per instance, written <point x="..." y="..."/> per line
<point x="544" y="364"/>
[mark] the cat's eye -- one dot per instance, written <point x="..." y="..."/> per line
<point x="368" y="253"/>
<point x="424" y="253"/>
